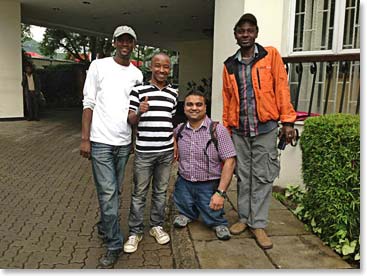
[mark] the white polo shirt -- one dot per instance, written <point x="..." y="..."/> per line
<point x="106" y="92"/>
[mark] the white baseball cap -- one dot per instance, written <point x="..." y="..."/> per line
<point x="120" y="30"/>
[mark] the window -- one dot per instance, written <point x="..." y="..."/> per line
<point x="351" y="25"/>
<point x="325" y="26"/>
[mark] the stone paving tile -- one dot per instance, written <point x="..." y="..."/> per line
<point x="307" y="252"/>
<point x="233" y="254"/>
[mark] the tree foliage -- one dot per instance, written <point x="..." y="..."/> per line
<point x="72" y="43"/>
<point x="25" y="32"/>
<point x="77" y="46"/>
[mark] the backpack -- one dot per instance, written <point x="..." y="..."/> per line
<point x="213" y="134"/>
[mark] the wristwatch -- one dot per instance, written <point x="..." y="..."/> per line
<point x="221" y="193"/>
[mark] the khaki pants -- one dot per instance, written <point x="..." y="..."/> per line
<point x="257" y="167"/>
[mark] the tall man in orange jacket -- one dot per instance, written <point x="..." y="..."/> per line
<point x="255" y="97"/>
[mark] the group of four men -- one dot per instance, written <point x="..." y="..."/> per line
<point x="255" y="97"/>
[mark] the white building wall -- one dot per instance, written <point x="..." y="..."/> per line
<point x="291" y="164"/>
<point x="11" y="99"/>
<point x="270" y="19"/>
<point x="196" y="58"/>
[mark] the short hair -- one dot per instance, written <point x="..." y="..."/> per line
<point x="161" y="53"/>
<point x="196" y="93"/>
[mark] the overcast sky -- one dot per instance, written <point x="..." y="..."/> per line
<point x="37" y="33"/>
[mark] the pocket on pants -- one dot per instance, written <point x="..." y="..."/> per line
<point x="266" y="167"/>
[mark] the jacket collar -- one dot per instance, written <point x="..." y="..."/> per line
<point x="262" y="53"/>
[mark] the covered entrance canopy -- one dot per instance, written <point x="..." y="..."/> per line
<point x="156" y="22"/>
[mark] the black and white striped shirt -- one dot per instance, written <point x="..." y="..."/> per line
<point x="155" y="128"/>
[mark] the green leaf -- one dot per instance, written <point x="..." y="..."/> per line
<point x="348" y="248"/>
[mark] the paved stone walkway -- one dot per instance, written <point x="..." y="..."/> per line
<point x="48" y="212"/>
<point x="48" y="204"/>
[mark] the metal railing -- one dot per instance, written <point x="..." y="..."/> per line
<point x="324" y="84"/>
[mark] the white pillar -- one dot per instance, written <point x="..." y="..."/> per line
<point x="11" y="95"/>
<point x="225" y="17"/>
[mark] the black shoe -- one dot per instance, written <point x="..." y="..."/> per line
<point x="110" y="258"/>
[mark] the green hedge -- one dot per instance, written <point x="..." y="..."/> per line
<point x="331" y="172"/>
<point x="62" y="84"/>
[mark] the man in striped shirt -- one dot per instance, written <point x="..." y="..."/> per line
<point x="205" y="170"/>
<point x="152" y="107"/>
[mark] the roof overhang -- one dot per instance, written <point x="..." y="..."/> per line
<point x="156" y="22"/>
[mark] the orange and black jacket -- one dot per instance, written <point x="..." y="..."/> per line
<point x="270" y="85"/>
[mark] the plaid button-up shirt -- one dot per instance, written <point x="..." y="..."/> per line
<point x="194" y="163"/>
<point x="250" y="125"/>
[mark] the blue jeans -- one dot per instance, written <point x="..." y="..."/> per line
<point x="192" y="199"/>
<point x="152" y="167"/>
<point x="108" y="165"/>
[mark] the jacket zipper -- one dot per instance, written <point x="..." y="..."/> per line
<point x="258" y="77"/>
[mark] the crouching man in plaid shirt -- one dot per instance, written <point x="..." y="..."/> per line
<point x="205" y="169"/>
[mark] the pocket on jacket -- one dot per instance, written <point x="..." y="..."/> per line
<point x="265" y="78"/>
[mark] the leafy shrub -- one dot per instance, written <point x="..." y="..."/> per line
<point x="331" y="172"/>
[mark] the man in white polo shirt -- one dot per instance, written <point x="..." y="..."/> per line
<point x="106" y="135"/>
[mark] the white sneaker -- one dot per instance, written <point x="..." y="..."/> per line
<point x="131" y="245"/>
<point x="158" y="233"/>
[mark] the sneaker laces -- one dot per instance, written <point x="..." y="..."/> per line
<point x="133" y="239"/>
<point x="159" y="231"/>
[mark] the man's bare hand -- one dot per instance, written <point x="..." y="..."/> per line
<point x="144" y="105"/>
<point x="288" y="133"/>
<point x="85" y="149"/>
<point x="216" y="202"/>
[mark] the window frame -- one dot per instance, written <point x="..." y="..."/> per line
<point x="338" y="33"/>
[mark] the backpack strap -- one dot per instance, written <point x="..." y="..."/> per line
<point x="179" y="135"/>
<point x="213" y="135"/>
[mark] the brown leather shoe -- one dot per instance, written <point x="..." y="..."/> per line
<point x="262" y="238"/>
<point x="238" y="228"/>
